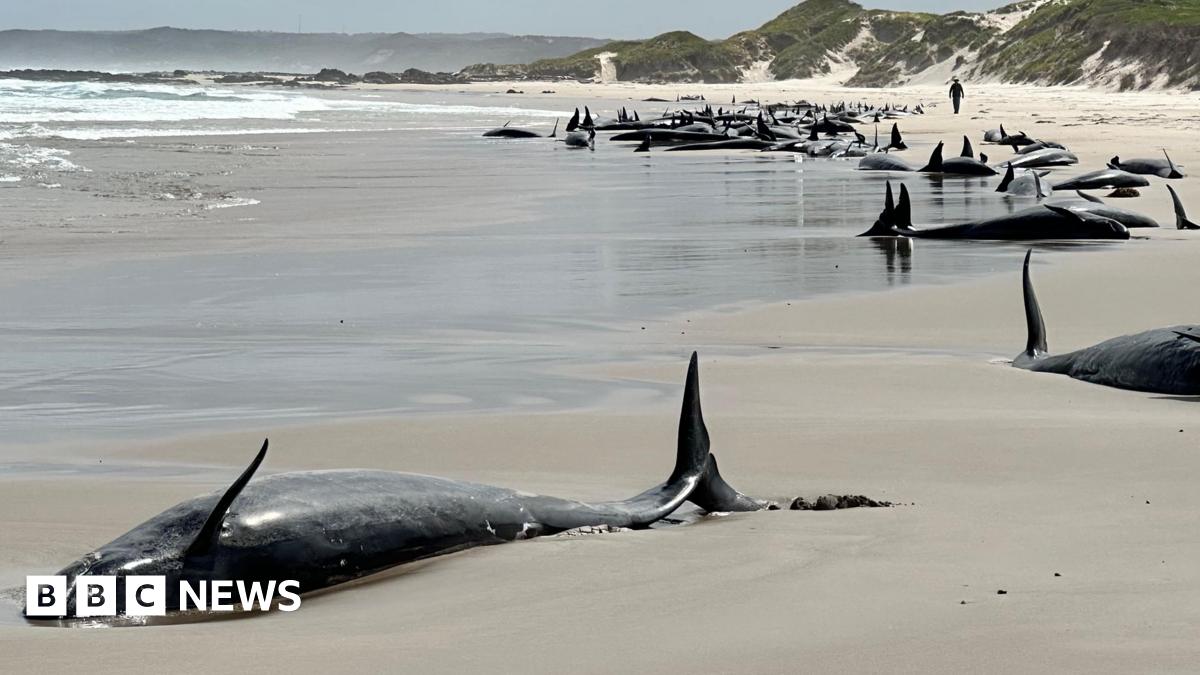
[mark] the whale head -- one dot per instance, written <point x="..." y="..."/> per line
<point x="179" y="544"/>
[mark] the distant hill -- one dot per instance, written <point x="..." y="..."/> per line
<point x="172" y="48"/>
<point x="1126" y="44"/>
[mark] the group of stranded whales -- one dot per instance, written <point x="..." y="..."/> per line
<point x="830" y="131"/>
<point x="801" y="127"/>
<point x="325" y="528"/>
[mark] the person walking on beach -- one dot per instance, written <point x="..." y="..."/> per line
<point x="957" y="94"/>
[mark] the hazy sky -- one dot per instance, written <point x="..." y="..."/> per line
<point x="607" y="18"/>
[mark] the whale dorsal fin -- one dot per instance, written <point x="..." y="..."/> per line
<point x="554" y="133"/>
<point x="967" y="150"/>
<point x="1008" y="178"/>
<point x="935" y="160"/>
<point x="206" y="539"/>
<point x="1035" y="346"/>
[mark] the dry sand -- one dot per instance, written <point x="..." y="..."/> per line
<point x="1006" y="478"/>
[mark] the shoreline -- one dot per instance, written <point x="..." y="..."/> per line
<point x="1078" y="501"/>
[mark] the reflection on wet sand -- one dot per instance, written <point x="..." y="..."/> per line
<point x="553" y="259"/>
<point x="897" y="251"/>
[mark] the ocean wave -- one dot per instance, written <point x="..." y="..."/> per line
<point x="102" y="133"/>
<point x="230" y="202"/>
<point x="98" y="110"/>
<point x="32" y="157"/>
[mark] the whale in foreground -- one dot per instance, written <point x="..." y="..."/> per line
<point x="1036" y="223"/>
<point x="323" y="528"/>
<point x="1162" y="360"/>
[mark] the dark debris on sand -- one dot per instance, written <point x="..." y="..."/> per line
<point x="836" y="502"/>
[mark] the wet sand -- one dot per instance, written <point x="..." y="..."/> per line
<point x="1005" y="479"/>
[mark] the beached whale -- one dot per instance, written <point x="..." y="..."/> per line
<point x="1037" y="223"/>
<point x="580" y="139"/>
<point x="956" y="166"/>
<point x="1083" y="203"/>
<point x="1103" y="179"/>
<point x="1044" y="157"/>
<point x="323" y="528"/>
<point x="1162" y="360"/>
<point x="1028" y="184"/>
<point x="662" y="136"/>
<point x="517" y="132"/>
<point x="1040" y="145"/>
<point x="1163" y="168"/>
<point x="739" y="143"/>
<point x="879" y="161"/>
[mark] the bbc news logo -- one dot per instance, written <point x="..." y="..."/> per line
<point x="147" y="596"/>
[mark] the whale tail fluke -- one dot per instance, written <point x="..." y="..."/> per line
<point x="1035" y="345"/>
<point x="1181" y="219"/>
<point x="887" y="218"/>
<point x="903" y="220"/>
<point x="714" y="495"/>
<point x="691" y="452"/>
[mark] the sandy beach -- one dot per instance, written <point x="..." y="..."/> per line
<point x="1042" y="524"/>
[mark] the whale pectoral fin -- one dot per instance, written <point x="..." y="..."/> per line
<point x="1065" y="212"/>
<point x="1193" y="338"/>
<point x="206" y="539"/>
<point x="1173" y="172"/>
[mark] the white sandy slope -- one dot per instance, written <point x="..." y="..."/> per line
<point x="1006" y="478"/>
